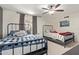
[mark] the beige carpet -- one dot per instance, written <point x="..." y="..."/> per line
<point x="56" y="49"/>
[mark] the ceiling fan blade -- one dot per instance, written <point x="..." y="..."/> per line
<point x="45" y="8"/>
<point x="59" y="10"/>
<point x="44" y="12"/>
<point x="57" y="5"/>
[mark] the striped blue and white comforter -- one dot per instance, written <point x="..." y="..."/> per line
<point x="36" y="42"/>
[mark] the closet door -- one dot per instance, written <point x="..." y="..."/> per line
<point x="34" y="24"/>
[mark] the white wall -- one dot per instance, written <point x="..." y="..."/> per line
<point x="44" y="20"/>
<point x="40" y="23"/>
<point x="13" y="17"/>
<point x="74" y="23"/>
<point x="9" y="17"/>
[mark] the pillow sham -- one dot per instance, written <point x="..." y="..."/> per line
<point x="21" y="33"/>
<point x="28" y="32"/>
<point x="53" y="31"/>
<point x="11" y="33"/>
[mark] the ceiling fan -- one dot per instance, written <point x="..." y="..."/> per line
<point x="52" y="8"/>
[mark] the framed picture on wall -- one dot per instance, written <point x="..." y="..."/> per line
<point x="64" y="23"/>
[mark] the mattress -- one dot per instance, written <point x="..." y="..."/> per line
<point x="35" y="41"/>
<point x="58" y="36"/>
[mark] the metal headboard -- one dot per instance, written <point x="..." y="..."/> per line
<point x="47" y="27"/>
<point x="15" y="27"/>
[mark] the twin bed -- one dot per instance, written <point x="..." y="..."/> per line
<point x="62" y="38"/>
<point x="20" y="43"/>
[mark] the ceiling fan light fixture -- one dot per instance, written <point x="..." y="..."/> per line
<point x="51" y="12"/>
<point x="31" y="12"/>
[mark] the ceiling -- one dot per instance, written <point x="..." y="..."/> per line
<point x="36" y="9"/>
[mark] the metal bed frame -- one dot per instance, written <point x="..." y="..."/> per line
<point x="43" y="29"/>
<point x="37" y="52"/>
<point x="56" y="40"/>
<point x="12" y="45"/>
<point x="15" y="29"/>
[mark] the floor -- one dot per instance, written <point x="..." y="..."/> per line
<point x="56" y="49"/>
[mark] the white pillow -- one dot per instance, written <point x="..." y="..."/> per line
<point x="21" y="33"/>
